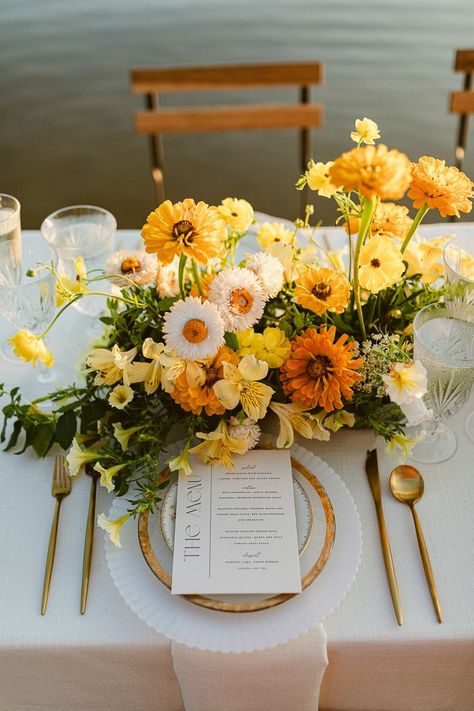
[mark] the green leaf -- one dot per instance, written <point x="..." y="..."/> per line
<point x="231" y="341"/>
<point x="43" y="438"/>
<point x="299" y="321"/>
<point x="92" y="411"/>
<point x="66" y="427"/>
<point x="14" y="435"/>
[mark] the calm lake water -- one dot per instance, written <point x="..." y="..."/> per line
<point x="66" y="110"/>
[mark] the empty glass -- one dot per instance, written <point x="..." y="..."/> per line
<point x="10" y="229"/>
<point x="82" y="231"/>
<point x="28" y="302"/>
<point x="444" y="343"/>
<point x="459" y="264"/>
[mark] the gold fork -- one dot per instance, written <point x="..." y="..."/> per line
<point x="61" y="488"/>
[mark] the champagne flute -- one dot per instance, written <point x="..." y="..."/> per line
<point x="444" y="343"/>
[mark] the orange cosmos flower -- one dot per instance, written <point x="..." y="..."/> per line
<point x="320" y="289"/>
<point x="441" y="187"/>
<point x="319" y="371"/>
<point x="196" y="398"/>
<point x="373" y="171"/>
<point x="195" y="230"/>
<point x="390" y="220"/>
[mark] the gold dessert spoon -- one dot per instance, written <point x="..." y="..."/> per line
<point x="407" y="485"/>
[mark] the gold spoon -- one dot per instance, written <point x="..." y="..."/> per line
<point x="406" y="484"/>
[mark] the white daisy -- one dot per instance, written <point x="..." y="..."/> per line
<point x="193" y="329"/>
<point x="269" y="270"/>
<point x="239" y="297"/>
<point x="247" y="430"/>
<point x="167" y="279"/>
<point x="136" y="265"/>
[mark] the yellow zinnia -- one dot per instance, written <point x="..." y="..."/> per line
<point x="271" y="346"/>
<point x="237" y="214"/>
<point x="195" y="230"/>
<point x="30" y="348"/>
<point x="320" y="289"/>
<point x="438" y="186"/>
<point x="271" y="233"/>
<point x="380" y="264"/>
<point x="373" y="171"/>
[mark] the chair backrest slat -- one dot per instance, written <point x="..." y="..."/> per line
<point x="464" y="61"/>
<point x="179" y="79"/>
<point x="228" y="118"/>
<point x="462" y="102"/>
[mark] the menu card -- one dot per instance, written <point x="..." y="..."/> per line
<point x="235" y="529"/>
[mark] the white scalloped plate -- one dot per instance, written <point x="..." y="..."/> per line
<point x="213" y="631"/>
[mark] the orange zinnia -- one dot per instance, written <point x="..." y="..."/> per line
<point x="319" y="371"/>
<point x="196" y="398"/>
<point x="195" y="230"/>
<point x="373" y="171"/>
<point x="444" y="188"/>
<point x="390" y="219"/>
<point x="320" y="289"/>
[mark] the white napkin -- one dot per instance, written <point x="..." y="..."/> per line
<point x="285" y="677"/>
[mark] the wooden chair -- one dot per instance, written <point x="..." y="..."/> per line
<point x="155" y="121"/>
<point x="462" y="102"/>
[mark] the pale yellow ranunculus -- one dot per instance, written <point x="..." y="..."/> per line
<point x="113" y="527"/>
<point x="318" y="178"/>
<point x="237" y="214"/>
<point x="107" y="475"/>
<point x="380" y="264"/>
<point x="30" y="348"/>
<point x="271" y="346"/>
<point x="366" y="131"/>
<point x="271" y="233"/>
<point x="240" y="385"/>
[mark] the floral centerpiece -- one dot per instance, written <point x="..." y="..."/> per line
<point x="208" y="348"/>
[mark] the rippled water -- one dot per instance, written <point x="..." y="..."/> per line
<point x="66" y="111"/>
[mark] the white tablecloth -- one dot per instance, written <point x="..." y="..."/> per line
<point x="109" y="659"/>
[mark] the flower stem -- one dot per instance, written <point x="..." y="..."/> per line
<point x="414" y="225"/>
<point x="196" y="277"/>
<point x="368" y="210"/>
<point x="181" y="268"/>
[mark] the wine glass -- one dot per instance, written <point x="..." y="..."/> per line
<point x="459" y="264"/>
<point x="88" y="232"/>
<point x="28" y="302"/>
<point x="444" y="343"/>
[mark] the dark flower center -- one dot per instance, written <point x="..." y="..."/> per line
<point x="318" y="367"/>
<point x="130" y="265"/>
<point x="375" y="262"/>
<point x="321" y="290"/>
<point x="212" y="376"/>
<point x="183" y="231"/>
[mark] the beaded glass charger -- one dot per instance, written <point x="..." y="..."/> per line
<point x="316" y="532"/>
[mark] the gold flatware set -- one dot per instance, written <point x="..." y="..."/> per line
<point x="407" y="486"/>
<point x="61" y="487"/>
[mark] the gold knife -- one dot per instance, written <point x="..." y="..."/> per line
<point x="372" y="469"/>
<point x="89" y="540"/>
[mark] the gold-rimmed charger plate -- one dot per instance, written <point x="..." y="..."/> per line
<point x="313" y="560"/>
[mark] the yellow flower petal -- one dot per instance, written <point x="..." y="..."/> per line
<point x="252" y="369"/>
<point x="227" y="393"/>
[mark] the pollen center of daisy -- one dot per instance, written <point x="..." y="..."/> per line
<point x="241" y="300"/>
<point x="318" y="367"/>
<point x="375" y="262"/>
<point x="183" y="231"/>
<point x="130" y="265"/>
<point x="321" y="290"/>
<point x="195" y="331"/>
